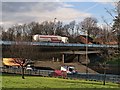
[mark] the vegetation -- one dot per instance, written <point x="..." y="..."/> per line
<point x="13" y="81"/>
<point x="115" y="61"/>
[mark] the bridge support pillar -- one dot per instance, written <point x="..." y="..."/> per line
<point x="78" y="57"/>
<point x="63" y="58"/>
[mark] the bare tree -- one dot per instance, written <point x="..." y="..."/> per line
<point x="1" y="30"/>
<point x="89" y="24"/>
<point x="21" y="51"/>
<point x="22" y="62"/>
<point x="116" y="25"/>
<point x="107" y="53"/>
<point x="72" y="27"/>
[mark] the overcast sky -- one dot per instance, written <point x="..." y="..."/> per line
<point x="26" y="12"/>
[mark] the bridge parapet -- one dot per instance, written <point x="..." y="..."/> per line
<point x="59" y="44"/>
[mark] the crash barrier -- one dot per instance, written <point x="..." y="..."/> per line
<point x="58" y="44"/>
<point x="26" y="72"/>
<point x="96" y="77"/>
<point x="52" y="73"/>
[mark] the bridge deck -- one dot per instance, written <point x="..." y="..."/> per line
<point x="58" y="44"/>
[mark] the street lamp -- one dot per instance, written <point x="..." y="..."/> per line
<point x="86" y="54"/>
<point x="106" y="55"/>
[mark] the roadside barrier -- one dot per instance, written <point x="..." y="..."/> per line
<point x="51" y="73"/>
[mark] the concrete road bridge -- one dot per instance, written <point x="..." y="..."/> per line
<point x="69" y="51"/>
<point x="48" y="44"/>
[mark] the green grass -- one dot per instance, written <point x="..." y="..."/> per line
<point x="9" y="81"/>
<point x="114" y="62"/>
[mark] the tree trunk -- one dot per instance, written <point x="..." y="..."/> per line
<point x="23" y="73"/>
<point x="104" y="78"/>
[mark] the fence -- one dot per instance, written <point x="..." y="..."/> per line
<point x="95" y="77"/>
<point x="26" y="72"/>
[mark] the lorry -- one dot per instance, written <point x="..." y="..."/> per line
<point x="50" y="38"/>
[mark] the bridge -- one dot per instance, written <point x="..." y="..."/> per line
<point x="69" y="51"/>
<point x="45" y="44"/>
<point x="66" y="52"/>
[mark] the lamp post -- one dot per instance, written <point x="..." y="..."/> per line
<point x="106" y="55"/>
<point x="104" y="66"/>
<point x="86" y="54"/>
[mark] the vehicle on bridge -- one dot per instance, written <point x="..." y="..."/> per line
<point x="50" y="38"/>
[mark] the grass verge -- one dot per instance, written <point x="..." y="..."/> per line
<point x="13" y="81"/>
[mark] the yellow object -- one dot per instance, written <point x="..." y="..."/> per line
<point x="10" y="62"/>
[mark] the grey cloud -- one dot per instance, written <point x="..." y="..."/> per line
<point x="47" y="6"/>
<point x="15" y="11"/>
<point x="17" y="18"/>
<point x="17" y="6"/>
<point x="28" y="6"/>
<point x="25" y="12"/>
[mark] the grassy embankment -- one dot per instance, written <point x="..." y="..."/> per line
<point x="115" y="61"/>
<point x="9" y="81"/>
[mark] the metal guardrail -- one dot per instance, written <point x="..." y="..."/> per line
<point x="26" y="72"/>
<point x="58" y="44"/>
<point x="95" y="77"/>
